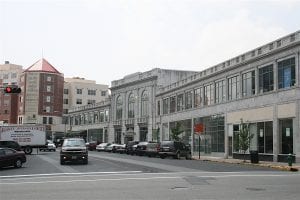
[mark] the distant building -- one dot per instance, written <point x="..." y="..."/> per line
<point x="9" y="75"/>
<point x="42" y="95"/>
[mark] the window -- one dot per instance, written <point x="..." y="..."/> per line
<point x="198" y="97"/>
<point x="286" y="136"/>
<point x="79" y="91"/>
<point x="65" y="111"/>
<point x="66" y="101"/>
<point x="48" y="88"/>
<point x="91" y="101"/>
<point x="266" y="81"/>
<point x="50" y="120"/>
<point x="220" y="91"/>
<point x="119" y="108"/>
<point x="101" y="116"/>
<point x="188" y="100"/>
<point x="44" y="120"/>
<point x="165" y="106"/>
<point x="66" y="91"/>
<point x="264" y="137"/>
<point x="106" y="117"/>
<point x="47" y="109"/>
<point x="131" y="102"/>
<point x="208" y="94"/>
<point x="271" y="46"/>
<point x="5" y="76"/>
<point x="259" y="51"/>
<point x="145" y="103"/>
<point x="248" y="84"/>
<point x="13" y="75"/>
<point x="233" y="88"/>
<point x="286" y="73"/>
<point x="173" y="104"/>
<point x="48" y="99"/>
<point x="78" y="101"/>
<point x="49" y="78"/>
<point x="92" y="92"/>
<point x="103" y="93"/>
<point x="158" y="108"/>
<point x="180" y="102"/>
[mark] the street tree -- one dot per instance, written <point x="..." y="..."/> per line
<point x="176" y="131"/>
<point x="244" y="138"/>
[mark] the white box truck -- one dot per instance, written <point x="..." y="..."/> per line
<point x="28" y="136"/>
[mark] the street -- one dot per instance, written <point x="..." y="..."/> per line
<point x="121" y="176"/>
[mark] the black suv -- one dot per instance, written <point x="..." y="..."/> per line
<point x="175" y="149"/>
<point x="73" y="149"/>
<point x="10" y="144"/>
<point x="129" y="147"/>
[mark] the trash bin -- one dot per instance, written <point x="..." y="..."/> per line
<point x="254" y="156"/>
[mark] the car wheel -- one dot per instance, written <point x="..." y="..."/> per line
<point x="28" y="150"/>
<point x="188" y="156"/>
<point x="18" y="163"/>
<point x="162" y="156"/>
<point x="62" y="162"/>
<point x="177" y="156"/>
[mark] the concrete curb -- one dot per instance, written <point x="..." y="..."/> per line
<point x="279" y="167"/>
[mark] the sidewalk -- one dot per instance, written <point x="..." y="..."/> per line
<point x="276" y="165"/>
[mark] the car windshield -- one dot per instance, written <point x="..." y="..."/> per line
<point x="75" y="143"/>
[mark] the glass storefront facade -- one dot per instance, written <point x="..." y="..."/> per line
<point x="212" y="140"/>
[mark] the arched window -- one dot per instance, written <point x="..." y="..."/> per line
<point x="144" y="104"/>
<point x="131" y="101"/>
<point x="119" y="108"/>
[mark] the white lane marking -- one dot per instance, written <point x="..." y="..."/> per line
<point x="77" y="173"/>
<point x="228" y="175"/>
<point x="93" y="180"/>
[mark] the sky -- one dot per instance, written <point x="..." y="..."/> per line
<point x="105" y="40"/>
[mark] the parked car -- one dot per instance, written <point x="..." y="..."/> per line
<point x="175" y="149"/>
<point x="92" y="145"/>
<point x="152" y="149"/>
<point x="141" y="148"/>
<point x="101" y="147"/>
<point x="111" y="148"/>
<point x="11" y="157"/>
<point x="10" y="144"/>
<point x="120" y="148"/>
<point x="50" y="146"/>
<point x="73" y="149"/>
<point x="129" y="149"/>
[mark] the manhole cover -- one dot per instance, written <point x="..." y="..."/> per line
<point x="256" y="189"/>
<point x="179" y="188"/>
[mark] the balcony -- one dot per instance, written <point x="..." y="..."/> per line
<point x="117" y="123"/>
<point x="129" y="122"/>
<point x="142" y="120"/>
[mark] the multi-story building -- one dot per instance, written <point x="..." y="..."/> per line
<point x="133" y="103"/>
<point x="260" y="87"/>
<point x="9" y="75"/>
<point x="42" y="95"/>
<point x="79" y="92"/>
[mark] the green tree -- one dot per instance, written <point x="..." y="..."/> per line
<point x="176" y="131"/>
<point x="244" y="138"/>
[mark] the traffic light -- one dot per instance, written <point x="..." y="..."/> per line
<point x="12" y="89"/>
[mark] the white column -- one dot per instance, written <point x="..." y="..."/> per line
<point x="226" y="135"/>
<point x="275" y="135"/>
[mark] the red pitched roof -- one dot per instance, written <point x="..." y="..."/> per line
<point x="42" y="65"/>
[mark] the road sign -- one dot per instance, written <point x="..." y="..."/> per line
<point x="198" y="128"/>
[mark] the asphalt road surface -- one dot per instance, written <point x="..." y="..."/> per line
<point x="119" y="176"/>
